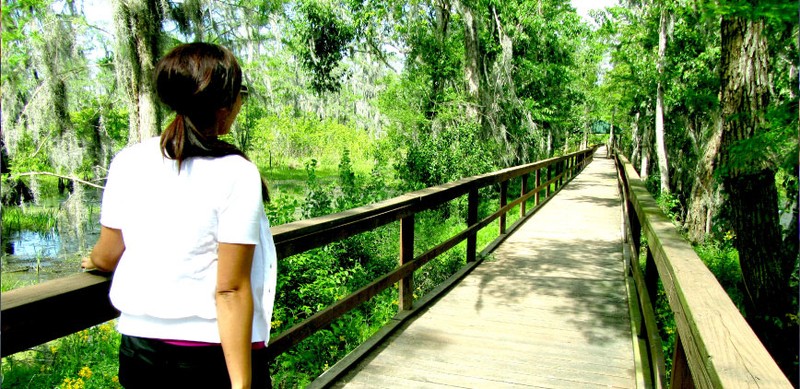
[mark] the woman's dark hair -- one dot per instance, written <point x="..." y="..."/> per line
<point x="196" y="80"/>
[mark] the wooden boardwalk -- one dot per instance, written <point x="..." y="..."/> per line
<point x="549" y="309"/>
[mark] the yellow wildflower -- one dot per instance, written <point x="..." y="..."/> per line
<point x="85" y="372"/>
<point x="70" y="383"/>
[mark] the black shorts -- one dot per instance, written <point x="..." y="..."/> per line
<point x="151" y="363"/>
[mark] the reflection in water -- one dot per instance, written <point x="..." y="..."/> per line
<point x="29" y="257"/>
<point x="29" y="245"/>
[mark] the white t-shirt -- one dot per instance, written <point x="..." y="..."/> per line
<point x="171" y="222"/>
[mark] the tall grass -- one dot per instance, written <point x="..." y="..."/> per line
<point x="29" y="218"/>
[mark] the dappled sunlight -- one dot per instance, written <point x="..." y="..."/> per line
<point x="548" y="308"/>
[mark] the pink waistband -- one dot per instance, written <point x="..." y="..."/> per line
<point x="190" y="343"/>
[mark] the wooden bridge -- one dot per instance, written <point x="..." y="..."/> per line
<point x="558" y="300"/>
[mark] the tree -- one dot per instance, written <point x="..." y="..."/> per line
<point x="661" y="147"/>
<point x="138" y="33"/>
<point x="748" y="176"/>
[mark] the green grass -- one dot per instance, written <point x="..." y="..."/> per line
<point x="9" y="281"/>
<point x="29" y="218"/>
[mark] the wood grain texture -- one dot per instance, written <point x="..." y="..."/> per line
<point x="722" y="351"/>
<point x="43" y="312"/>
<point x="548" y="309"/>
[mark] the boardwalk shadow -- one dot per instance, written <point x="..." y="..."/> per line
<point x="587" y="293"/>
<point x="565" y="263"/>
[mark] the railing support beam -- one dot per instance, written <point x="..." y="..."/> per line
<point x="681" y="376"/>
<point x="472" y="218"/>
<point x="522" y="193"/>
<point x="406" y="290"/>
<point x="503" y="203"/>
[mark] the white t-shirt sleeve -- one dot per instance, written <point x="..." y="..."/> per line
<point x="113" y="205"/>
<point x="240" y="213"/>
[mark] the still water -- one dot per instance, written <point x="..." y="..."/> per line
<point x="31" y="257"/>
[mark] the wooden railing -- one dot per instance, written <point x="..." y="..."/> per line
<point x="715" y="347"/>
<point x="36" y="314"/>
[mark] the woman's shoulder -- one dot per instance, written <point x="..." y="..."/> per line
<point x="150" y="146"/>
<point x="229" y="167"/>
<point x="235" y="162"/>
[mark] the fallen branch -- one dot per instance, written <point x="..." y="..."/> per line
<point x="64" y="177"/>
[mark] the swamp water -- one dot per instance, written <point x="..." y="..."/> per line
<point x="30" y="257"/>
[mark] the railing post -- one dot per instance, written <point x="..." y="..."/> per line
<point x="559" y="174"/>
<point x="503" y="203"/>
<point x="522" y="193"/>
<point x="575" y="164"/>
<point x="651" y="277"/>
<point x="570" y="165"/>
<point x="406" y="291"/>
<point x="635" y="225"/>
<point x="538" y="181"/>
<point x="547" y="179"/>
<point x="472" y="218"/>
<point x="681" y="377"/>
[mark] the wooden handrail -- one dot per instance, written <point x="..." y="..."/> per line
<point x="40" y="313"/>
<point x="715" y="347"/>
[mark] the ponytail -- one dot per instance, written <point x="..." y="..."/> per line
<point x="181" y="140"/>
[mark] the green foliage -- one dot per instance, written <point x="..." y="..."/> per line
<point x="323" y="36"/>
<point x="669" y="203"/>
<point x="723" y="261"/>
<point x="86" y="359"/>
<point x="437" y="158"/>
<point x="281" y="210"/>
<point x="318" y="199"/>
<point x="767" y="9"/>
<point x="291" y="141"/>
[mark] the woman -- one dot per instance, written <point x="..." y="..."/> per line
<point x="183" y="227"/>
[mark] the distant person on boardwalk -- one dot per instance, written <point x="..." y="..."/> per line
<point x="183" y="227"/>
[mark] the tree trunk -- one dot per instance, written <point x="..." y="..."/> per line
<point x="661" y="148"/>
<point x="635" y="140"/>
<point x="442" y="10"/>
<point x="705" y="198"/>
<point x="587" y="126"/>
<point x="612" y="141"/>
<point x="647" y="135"/>
<point x="471" y="59"/>
<point x="753" y="200"/>
<point x="138" y="25"/>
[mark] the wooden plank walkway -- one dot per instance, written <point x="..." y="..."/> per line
<point x="548" y="310"/>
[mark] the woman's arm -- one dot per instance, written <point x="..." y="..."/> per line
<point x="106" y="252"/>
<point x="235" y="310"/>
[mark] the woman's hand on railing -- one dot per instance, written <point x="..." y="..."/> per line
<point x="87" y="264"/>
